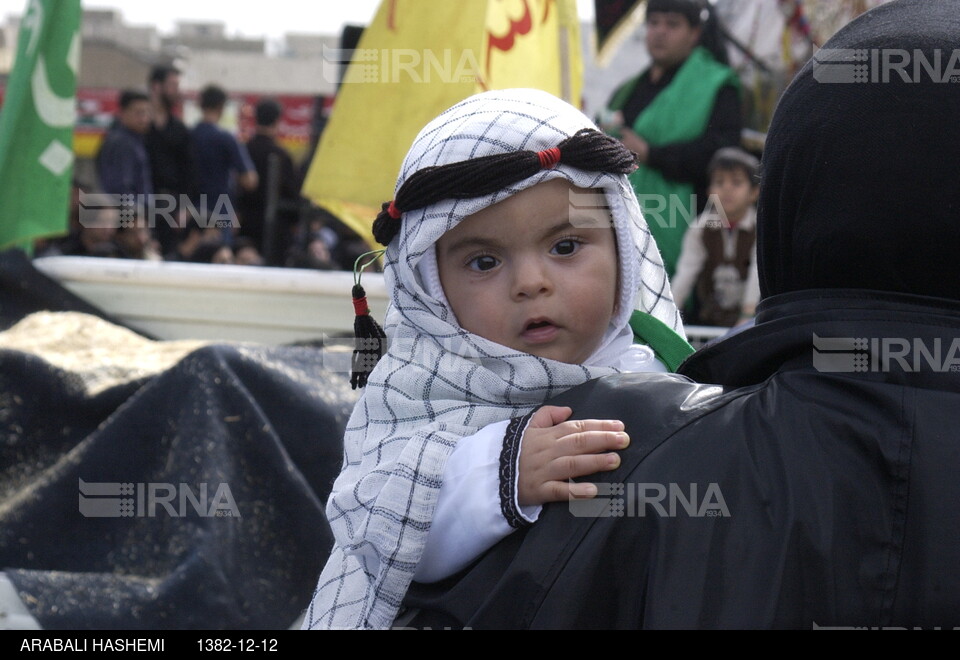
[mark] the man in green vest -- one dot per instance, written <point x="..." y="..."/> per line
<point x="675" y="115"/>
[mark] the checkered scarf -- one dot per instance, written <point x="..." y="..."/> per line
<point x="437" y="382"/>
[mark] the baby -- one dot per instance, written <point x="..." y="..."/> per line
<point x="519" y="266"/>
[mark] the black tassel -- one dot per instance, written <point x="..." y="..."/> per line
<point x="370" y="341"/>
<point x="385" y="226"/>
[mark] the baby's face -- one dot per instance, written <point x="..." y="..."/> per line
<point x="534" y="273"/>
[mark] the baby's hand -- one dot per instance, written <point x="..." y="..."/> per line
<point x="554" y="450"/>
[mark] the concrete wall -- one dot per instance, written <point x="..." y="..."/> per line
<point x="246" y="72"/>
<point x="106" y="65"/>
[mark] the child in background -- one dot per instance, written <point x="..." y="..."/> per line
<point x="718" y="260"/>
<point x="518" y="266"/>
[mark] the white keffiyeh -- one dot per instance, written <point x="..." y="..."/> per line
<point x="439" y="383"/>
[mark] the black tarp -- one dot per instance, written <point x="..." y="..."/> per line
<point x="24" y="290"/>
<point x="139" y="546"/>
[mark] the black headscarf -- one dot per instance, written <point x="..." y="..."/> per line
<point x="690" y="9"/>
<point x="861" y="179"/>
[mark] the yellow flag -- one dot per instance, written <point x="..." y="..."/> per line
<point x="533" y="43"/>
<point x="418" y="58"/>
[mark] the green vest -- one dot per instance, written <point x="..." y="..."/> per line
<point x="669" y="347"/>
<point x="679" y="113"/>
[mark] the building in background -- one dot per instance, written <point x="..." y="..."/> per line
<point x="117" y="55"/>
<point x="210" y="35"/>
<point x="108" y="26"/>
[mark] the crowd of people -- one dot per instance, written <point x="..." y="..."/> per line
<point x="199" y="194"/>
<point x="681" y="116"/>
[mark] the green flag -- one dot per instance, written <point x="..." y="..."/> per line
<point x="36" y="123"/>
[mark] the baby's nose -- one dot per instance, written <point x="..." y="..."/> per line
<point x="531" y="279"/>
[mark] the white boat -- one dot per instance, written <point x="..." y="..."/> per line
<point x="170" y="300"/>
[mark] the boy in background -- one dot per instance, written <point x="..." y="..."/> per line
<point x="718" y="260"/>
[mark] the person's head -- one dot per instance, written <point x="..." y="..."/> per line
<point x="164" y="84"/>
<point x="211" y="233"/>
<point x="245" y="252"/>
<point x="673" y="30"/>
<point x="134" y="111"/>
<point x="501" y="231"/>
<point x="133" y="240"/>
<point x="859" y="188"/>
<point x="732" y="173"/>
<point x="535" y="272"/>
<point x="267" y="113"/>
<point x="213" y="252"/>
<point x="212" y="100"/>
<point x="316" y="254"/>
<point x="102" y="230"/>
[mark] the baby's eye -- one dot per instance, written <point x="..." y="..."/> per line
<point x="566" y="246"/>
<point x="483" y="262"/>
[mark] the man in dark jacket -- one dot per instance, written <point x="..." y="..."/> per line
<point x="816" y="486"/>
<point x="171" y="155"/>
<point x="123" y="166"/>
<point x="278" y="188"/>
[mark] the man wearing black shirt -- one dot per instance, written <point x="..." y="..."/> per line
<point x="675" y="116"/>
<point x="264" y="150"/>
<point x="168" y="144"/>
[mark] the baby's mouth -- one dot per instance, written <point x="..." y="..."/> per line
<point x="539" y="330"/>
